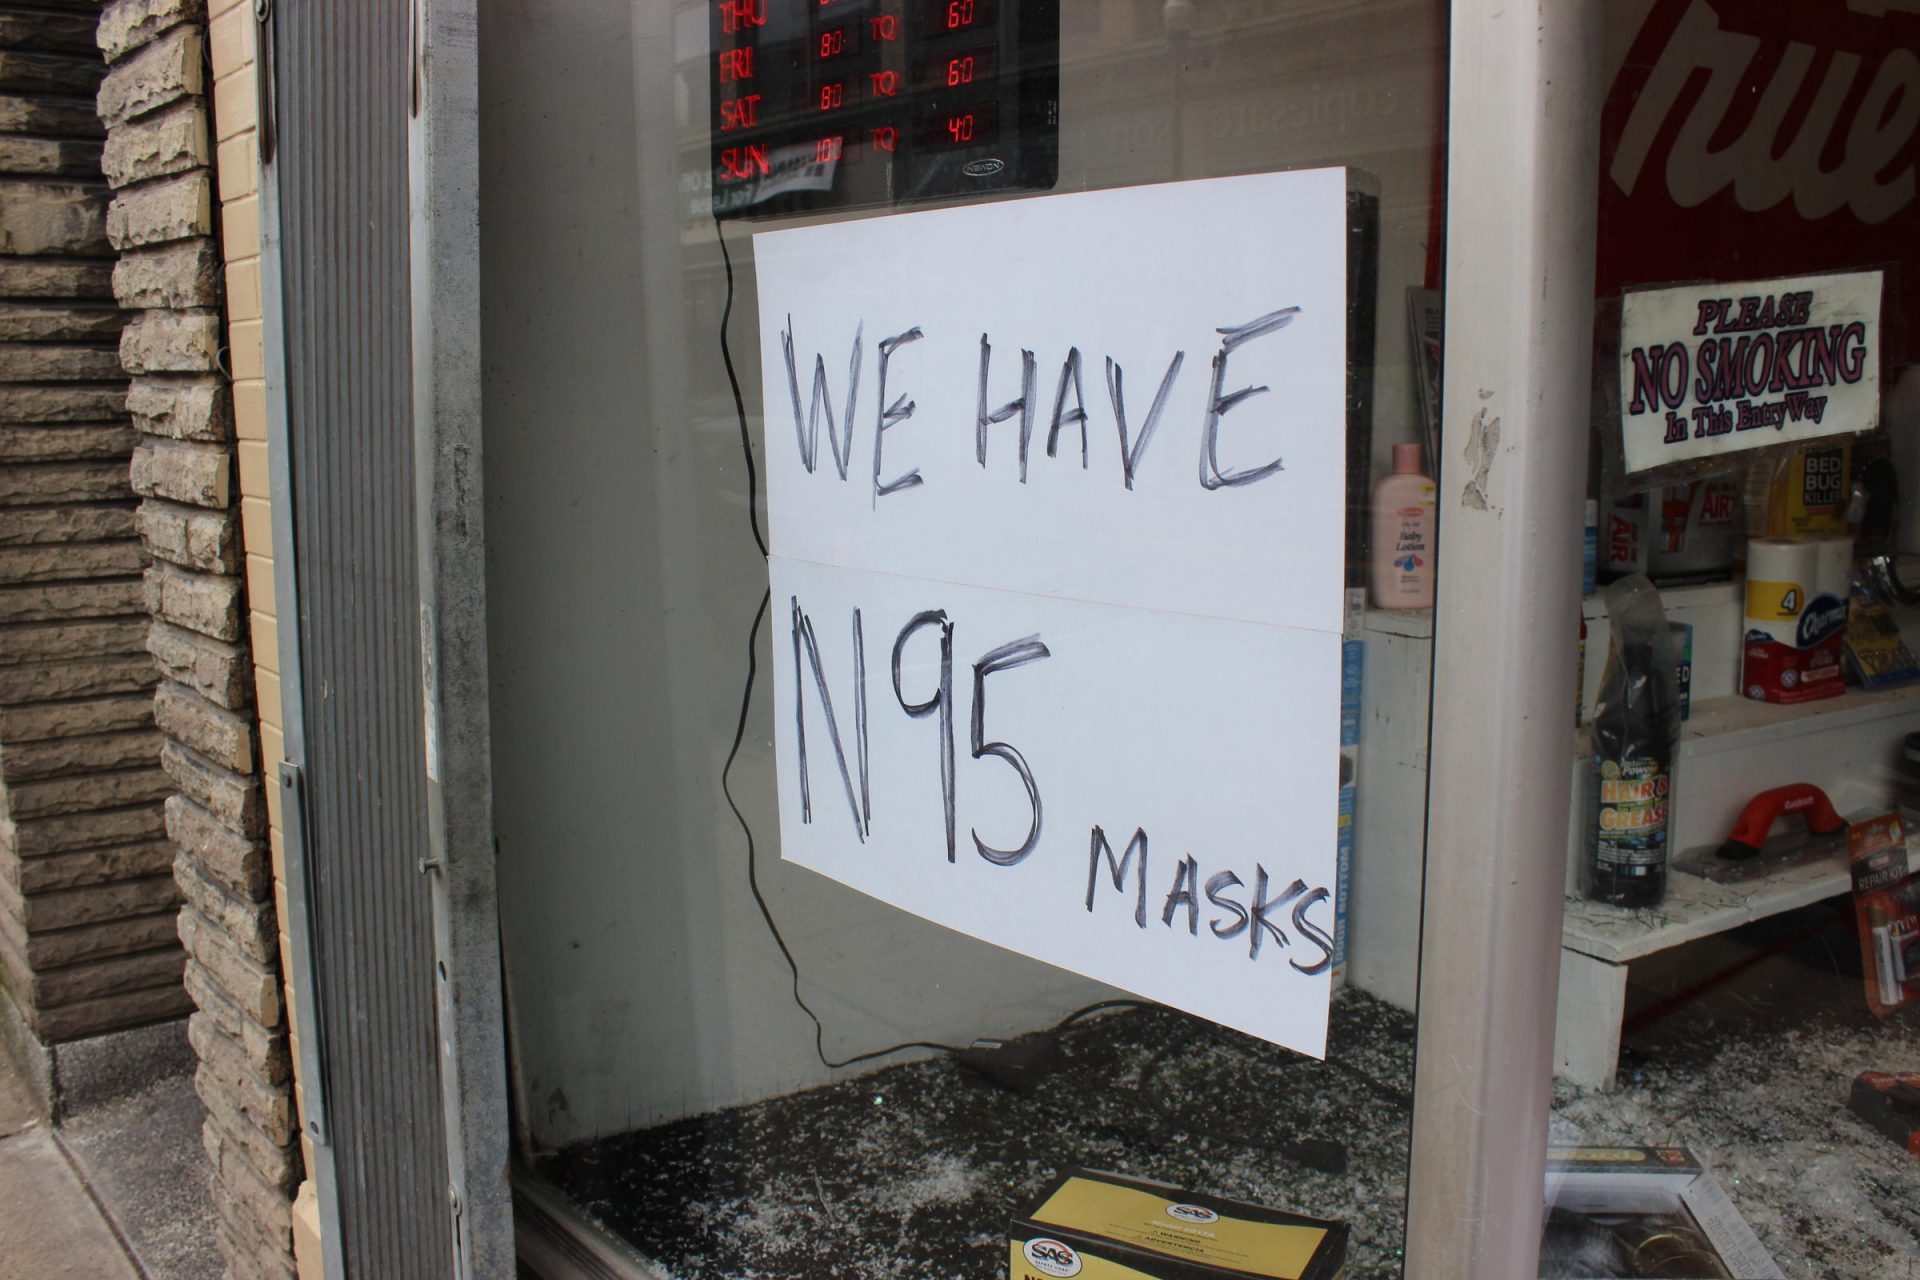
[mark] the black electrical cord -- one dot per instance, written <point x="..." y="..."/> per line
<point x="746" y="704"/>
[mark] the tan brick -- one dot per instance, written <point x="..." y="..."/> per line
<point x="266" y="638"/>
<point x="250" y="409"/>
<point x="267" y="693"/>
<point x="259" y="578"/>
<point x="256" y="522"/>
<point x="236" y="162"/>
<point x="230" y="41"/>
<point x="240" y="229"/>
<point x="235" y="103"/>
<point x="243" y="293"/>
<point x="245" y="353"/>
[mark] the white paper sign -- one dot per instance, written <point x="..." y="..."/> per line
<point x="1056" y="493"/>
<point x="1712" y="369"/>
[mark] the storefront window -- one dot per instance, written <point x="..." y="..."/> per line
<point x="1738" y="1049"/>
<point x="739" y="1047"/>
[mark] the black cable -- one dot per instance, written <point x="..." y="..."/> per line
<point x="746" y="704"/>
<point x="739" y="402"/>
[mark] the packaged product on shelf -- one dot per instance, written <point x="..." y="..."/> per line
<point x="1682" y="634"/>
<point x="1108" y="1225"/>
<point x="1876" y="656"/>
<point x="1796" y="618"/>
<point x="1676" y="534"/>
<point x="1698" y="533"/>
<point x="1403" y="526"/>
<point x="1636" y="722"/>
<point x="1810" y="490"/>
<point x="1886" y="904"/>
<point x="1619" y="1212"/>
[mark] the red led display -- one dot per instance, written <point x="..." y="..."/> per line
<point x="975" y="125"/>
<point x="932" y="97"/>
<point x="938" y="16"/>
<point x="836" y="42"/>
<point x="835" y="95"/>
<point x="958" y="68"/>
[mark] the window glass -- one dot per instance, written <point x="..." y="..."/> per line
<point x="755" y="1030"/>
<point x="1738" y="1048"/>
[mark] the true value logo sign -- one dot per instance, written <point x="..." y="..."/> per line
<point x="1056" y="501"/>
<point x="1713" y="369"/>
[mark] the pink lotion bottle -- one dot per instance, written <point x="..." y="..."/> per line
<point x="1403" y="509"/>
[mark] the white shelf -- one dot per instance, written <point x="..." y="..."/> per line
<point x="1719" y="725"/>
<point x="1696" y="908"/>
<point x="1732" y="724"/>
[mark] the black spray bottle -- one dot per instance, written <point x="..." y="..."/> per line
<point x="1636" y="727"/>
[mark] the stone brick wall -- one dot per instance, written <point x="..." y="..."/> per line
<point x="87" y="898"/>
<point x="186" y="466"/>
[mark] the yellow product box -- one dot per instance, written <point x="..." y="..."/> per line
<point x="1102" y="1226"/>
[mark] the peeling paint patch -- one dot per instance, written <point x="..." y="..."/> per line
<point x="1483" y="442"/>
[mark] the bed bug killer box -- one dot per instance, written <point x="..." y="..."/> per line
<point x="1101" y="1226"/>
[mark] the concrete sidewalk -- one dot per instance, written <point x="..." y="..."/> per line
<point x="50" y="1227"/>
<point x="120" y="1190"/>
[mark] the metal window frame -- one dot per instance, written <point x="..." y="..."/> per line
<point x="1522" y="208"/>
<point x="443" y="145"/>
<point x="1524" y="102"/>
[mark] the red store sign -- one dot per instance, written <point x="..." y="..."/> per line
<point x="1750" y="138"/>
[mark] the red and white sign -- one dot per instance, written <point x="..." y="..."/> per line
<point x="1754" y="138"/>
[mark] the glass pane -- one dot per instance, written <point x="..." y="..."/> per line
<point x="1171" y="582"/>
<point x="1739" y="969"/>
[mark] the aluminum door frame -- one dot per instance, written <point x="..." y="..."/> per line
<point x="443" y="241"/>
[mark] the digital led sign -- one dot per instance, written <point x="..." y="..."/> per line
<point x="820" y="104"/>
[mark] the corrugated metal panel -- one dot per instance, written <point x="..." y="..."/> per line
<point x="343" y="95"/>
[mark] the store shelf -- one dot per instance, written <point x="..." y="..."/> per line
<point x="1720" y="725"/>
<point x="1695" y="908"/>
<point x="1736" y="723"/>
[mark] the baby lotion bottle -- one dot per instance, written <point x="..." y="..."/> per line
<point x="1403" y="507"/>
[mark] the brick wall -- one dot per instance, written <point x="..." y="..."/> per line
<point x="87" y="898"/>
<point x="171" y="103"/>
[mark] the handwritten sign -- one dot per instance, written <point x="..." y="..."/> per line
<point x="1713" y="369"/>
<point x="1056" y="497"/>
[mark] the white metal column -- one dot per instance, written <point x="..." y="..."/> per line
<point x="1522" y="157"/>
